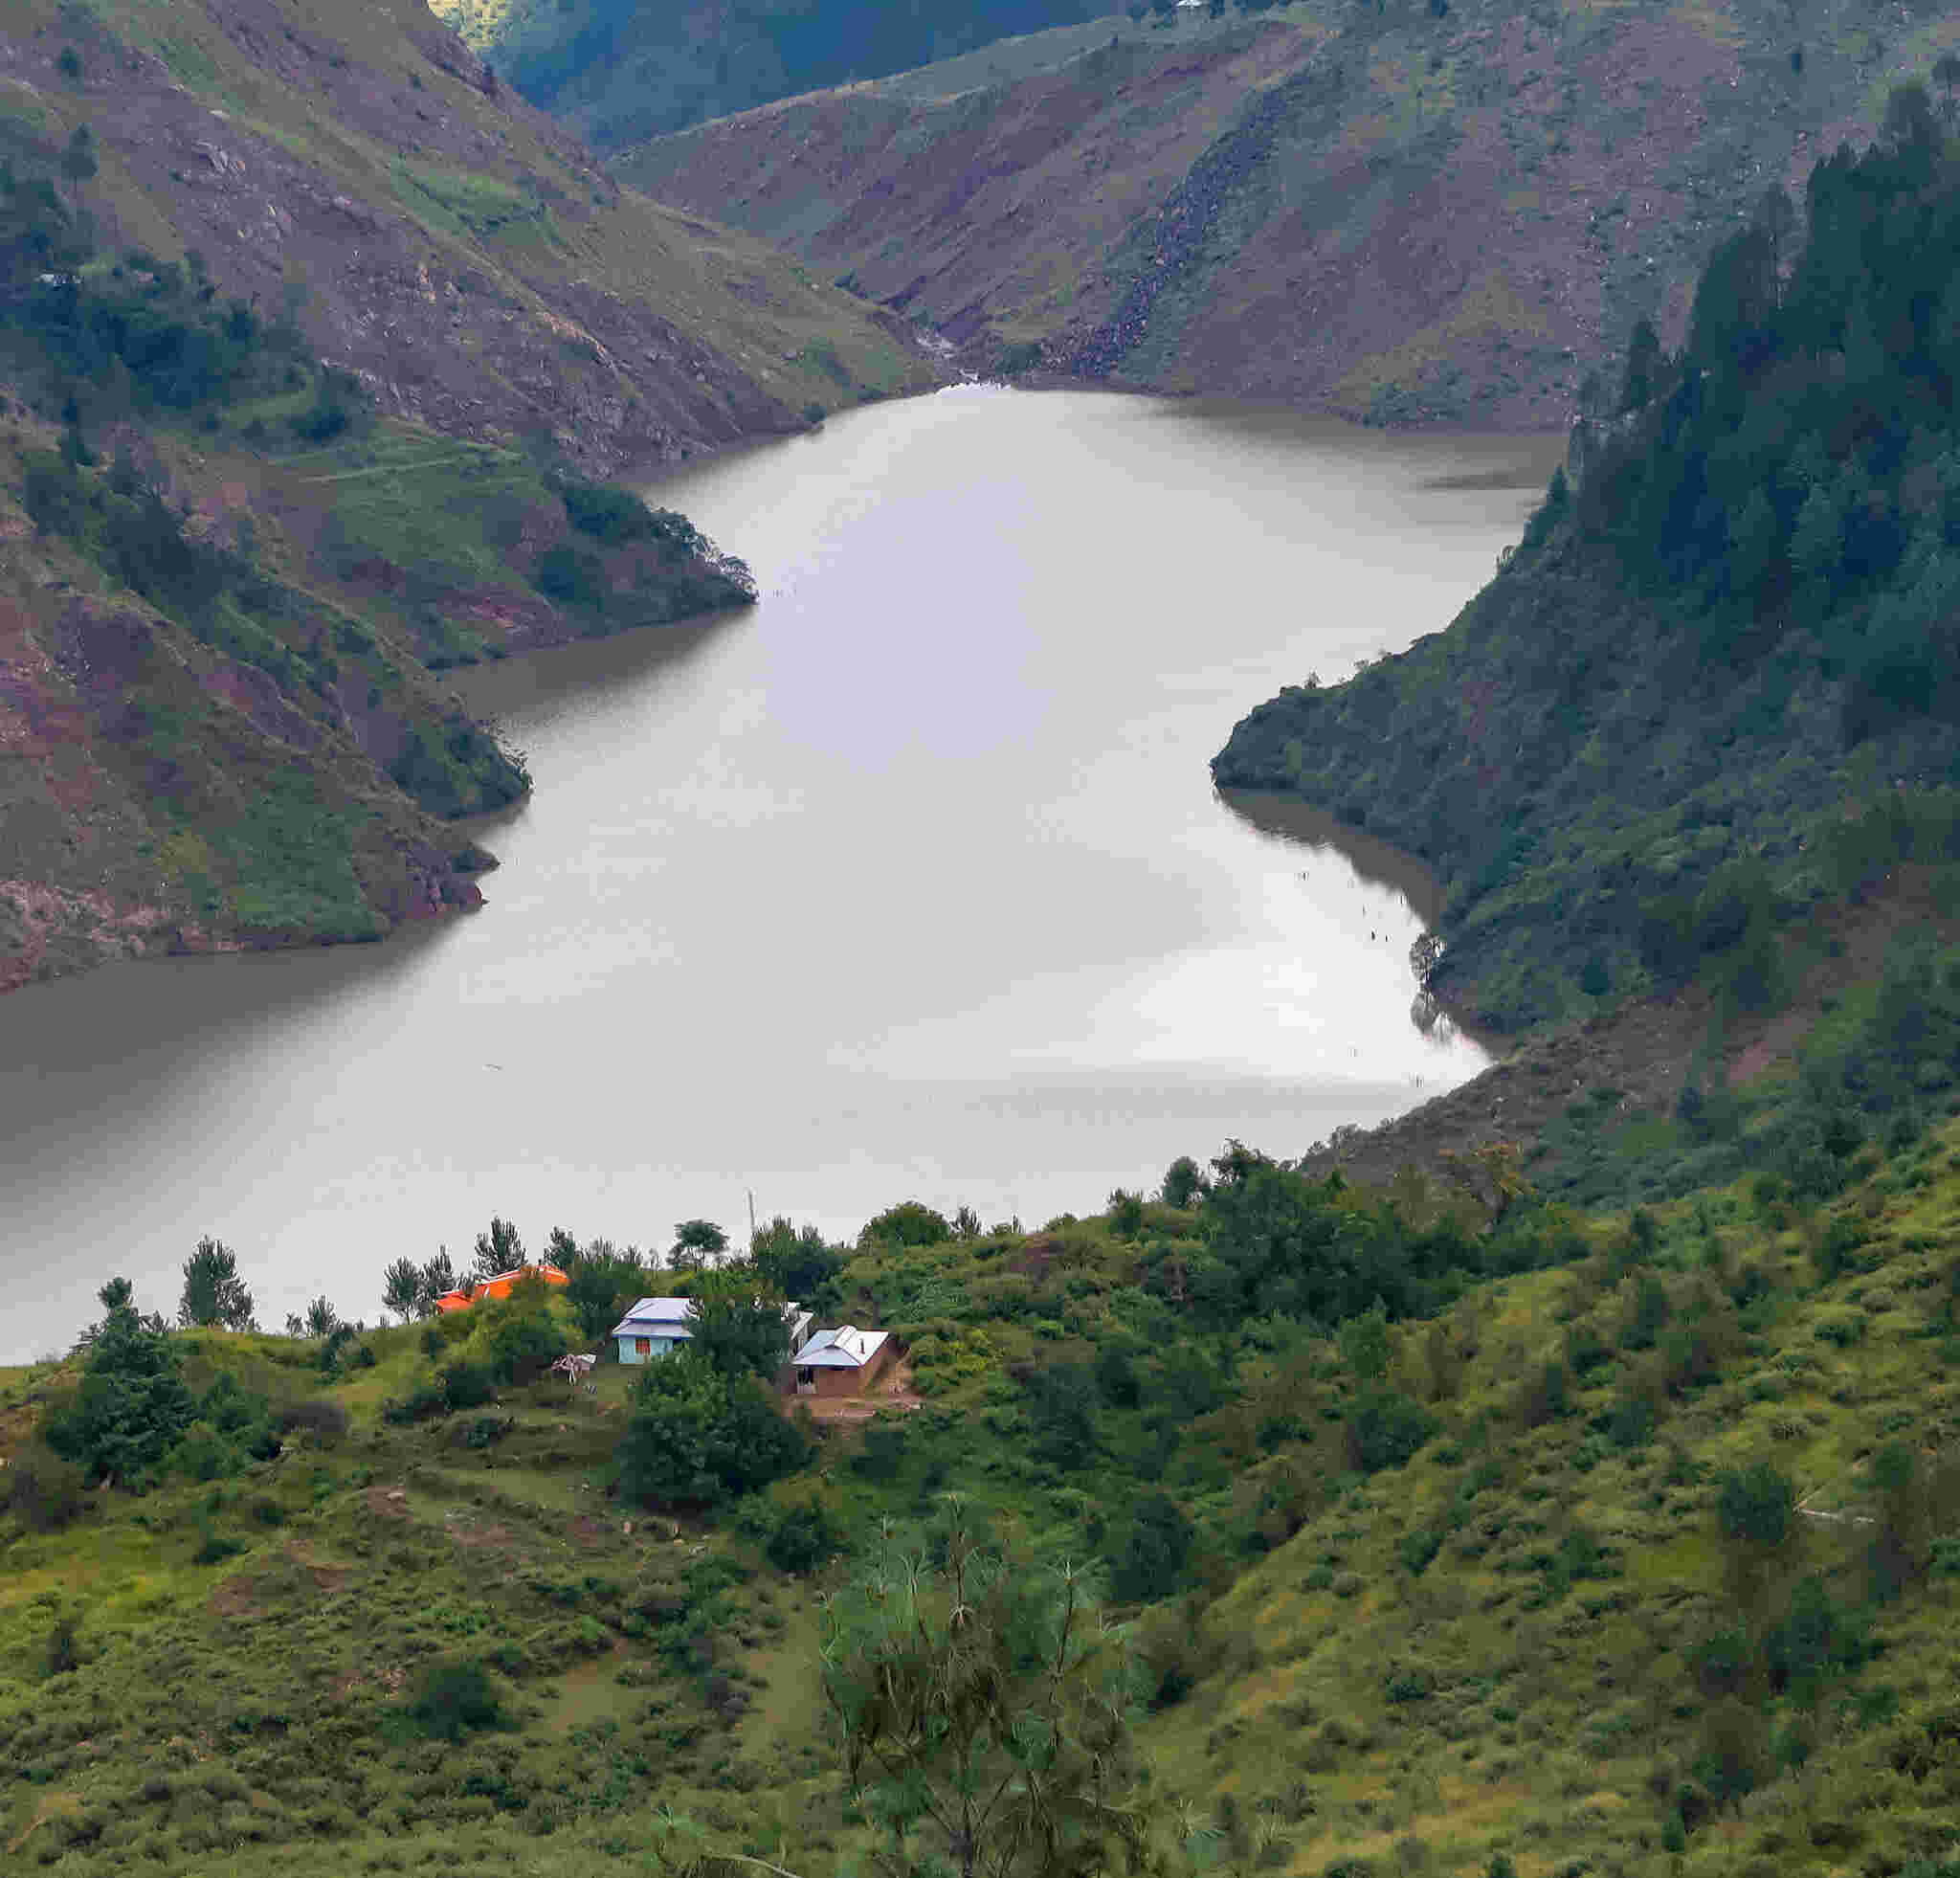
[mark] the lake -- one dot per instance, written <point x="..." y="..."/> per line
<point x="908" y="883"/>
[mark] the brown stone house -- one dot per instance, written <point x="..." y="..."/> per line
<point x="843" y="1362"/>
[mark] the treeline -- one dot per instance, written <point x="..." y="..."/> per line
<point x="1794" y="470"/>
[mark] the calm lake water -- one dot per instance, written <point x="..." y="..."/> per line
<point x="911" y="881"/>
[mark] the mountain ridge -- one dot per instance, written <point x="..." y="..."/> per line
<point x="1401" y="216"/>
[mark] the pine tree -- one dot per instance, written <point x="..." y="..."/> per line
<point x="214" y="1293"/>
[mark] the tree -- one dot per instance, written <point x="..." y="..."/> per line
<point x="1946" y="76"/>
<point x="214" y="1293"/>
<point x="322" y="1319"/>
<point x="699" y="1437"/>
<point x="597" y="1288"/>
<point x="1155" y="1552"/>
<point x="985" y="1710"/>
<point x="499" y="1250"/>
<point x="438" y="1279"/>
<point x="1645" y="360"/>
<point x="911" y="1222"/>
<point x="561" y="1249"/>
<point x="796" y="1264"/>
<point x="79" y="158"/>
<point x="1183" y="1183"/>
<point x="1365" y="1345"/>
<point x="696" y="1242"/>
<point x="132" y="1403"/>
<point x="401" y="1290"/>
<point x="736" y="1329"/>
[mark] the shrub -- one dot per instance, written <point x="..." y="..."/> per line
<point x="466" y="1384"/>
<point x="320" y="1415"/>
<point x="1155" y="1552"/>
<point x="41" y="1489"/>
<point x="1756" y="1507"/>
<point x="796" y="1537"/>
<point x="455" y="1698"/>
<point x="1384" y="1429"/>
<point x="699" y="1436"/>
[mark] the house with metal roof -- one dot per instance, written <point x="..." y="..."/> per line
<point x="843" y="1362"/>
<point x="657" y="1326"/>
<point x="499" y="1287"/>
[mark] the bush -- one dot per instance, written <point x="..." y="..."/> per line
<point x="1757" y="1507"/>
<point x="319" y="1416"/>
<point x="466" y="1385"/>
<point x="699" y="1437"/>
<point x="455" y="1698"/>
<point x="796" y="1537"/>
<point x="1155" y="1552"/>
<point x="41" y="1489"/>
<point x="1385" y="1428"/>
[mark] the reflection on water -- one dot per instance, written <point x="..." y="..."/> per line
<point x="908" y="880"/>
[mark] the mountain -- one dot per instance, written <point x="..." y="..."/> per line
<point x="316" y="337"/>
<point x="1408" y="213"/>
<point x="619" y="72"/>
<point x="1718" y="683"/>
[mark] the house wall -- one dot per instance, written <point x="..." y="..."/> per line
<point x="629" y="1351"/>
<point x="834" y="1383"/>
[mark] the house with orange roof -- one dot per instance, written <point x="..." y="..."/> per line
<point x="499" y="1287"/>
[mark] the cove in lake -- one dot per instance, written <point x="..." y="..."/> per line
<point x="910" y="882"/>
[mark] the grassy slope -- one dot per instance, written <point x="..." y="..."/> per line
<point x="1523" y="1690"/>
<point x="1366" y="210"/>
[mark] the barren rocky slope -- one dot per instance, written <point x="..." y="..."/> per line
<point x="435" y="232"/>
<point x="1379" y="211"/>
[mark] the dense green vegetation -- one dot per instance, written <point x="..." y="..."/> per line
<point x="1615" y="1541"/>
<point x="1631" y="756"/>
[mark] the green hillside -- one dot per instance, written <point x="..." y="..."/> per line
<point x="1715" y="685"/>
<point x="1620" y="1544"/>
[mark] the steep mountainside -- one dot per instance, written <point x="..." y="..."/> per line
<point x="431" y="231"/>
<point x="304" y="342"/>
<point x="1720" y="678"/>
<point x="1396" y="215"/>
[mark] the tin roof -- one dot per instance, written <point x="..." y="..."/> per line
<point x="846" y="1348"/>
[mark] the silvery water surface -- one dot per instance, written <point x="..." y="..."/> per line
<point x="911" y="881"/>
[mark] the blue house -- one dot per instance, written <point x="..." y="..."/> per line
<point x="657" y="1326"/>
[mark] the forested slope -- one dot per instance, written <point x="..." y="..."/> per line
<point x="1719" y="680"/>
